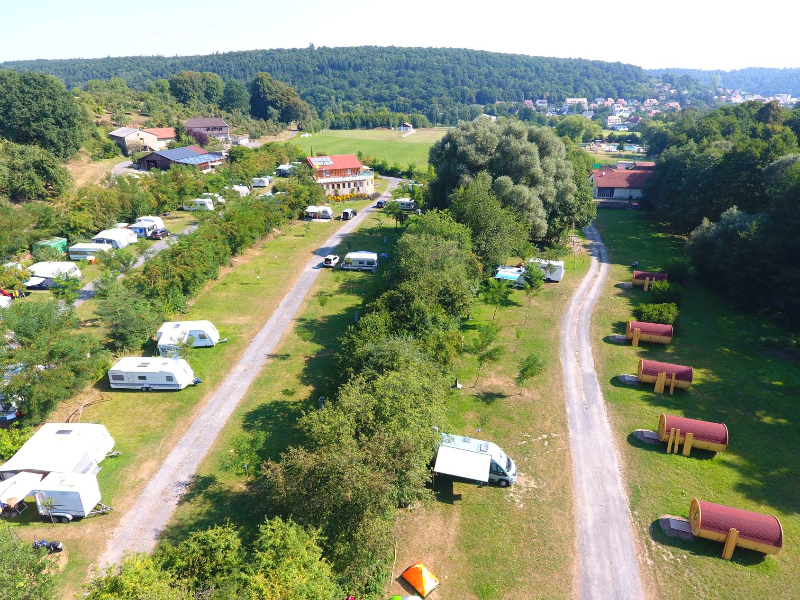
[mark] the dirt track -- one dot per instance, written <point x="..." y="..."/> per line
<point x="608" y="568"/>
<point x="138" y="530"/>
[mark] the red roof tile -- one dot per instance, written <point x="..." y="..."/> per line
<point x="623" y="179"/>
<point x="763" y="529"/>
<point x="197" y="149"/>
<point x="643" y="164"/>
<point x="162" y="133"/>
<point x="651" y="328"/>
<point x="653" y="368"/>
<point x="716" y="433"/>
<point x="653" y="276"/>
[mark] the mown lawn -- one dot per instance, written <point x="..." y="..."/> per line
<point x="378" y="143"/>
<point x="145" y="426"/>
<point x="740" y="380"/>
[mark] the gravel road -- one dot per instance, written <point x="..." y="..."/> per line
<point x="139" y="529"/>
<point x="608" y="567"/>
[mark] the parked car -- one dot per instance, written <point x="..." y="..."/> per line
<point x="348" y="213"/>
<point x="330" y="261"/>
<point x="380" y="204"/>
<point x="158" y="234"/>
<point x="8" y="412"/>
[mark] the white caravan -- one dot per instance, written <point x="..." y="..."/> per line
<point x="87" y="250"/>
<point x="553" y="269"/>
<point x="242" y="190"/>
<point x="201" y="204"/>
<point x="360" y="261"/>
<point x="172" y="334"/>
<point x="406" y="203"/>
<point x="214" y="197"/>
<point x="319" y="212"/>
<point x="512" y="275"/>
<point x="148" y="373"/>
<point x="43" y="273"/>
<point x="474" y="460"/>
<point x="117" y="237"/>
<point x="64" y="496"/>
<point x="260" y="182"/>
<point x="159" y="222"/>
<point x="143" y="229"/>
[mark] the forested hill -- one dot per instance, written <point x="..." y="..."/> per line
<point x="366" y="77"/>
<point x="755" y="80"/>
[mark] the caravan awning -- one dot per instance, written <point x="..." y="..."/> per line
<point x="461" y="463"/>
<point x="16" y="488"/>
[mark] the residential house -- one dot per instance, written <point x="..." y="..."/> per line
<point x="132" y="140"/>
<point x="406" y="127"/>
<point x="164" y="135"/>
<point x="212" y="126"/>
<point x="342" y="174"/>
<point x="529" y="103"/>
<point x="575" y="102"/>
<point x="588" y="114"/>
<point x="650" y="102"/>
<point x="189" y="155"/>
<point x="676" y="105"/>
<point x="620" y="184"/>
<point x="620" y="111"/>
<point x="633" y="122"/>
<point x="541" y="103"/>
<point x="613" y="120"/>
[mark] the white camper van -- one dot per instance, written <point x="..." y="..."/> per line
<point x="261" y="181"/>
<point x="148" y="373"/>
<point x="553" y="269"/>
<point x="474" y="460"/>
<point x="201" y="204"/>
<point x="319" y="212"/>
<point x="118" y="237"/>
<point x="64" y="496"/>
<point x="360" y="261"/>
<point x="159" y="222"/>
<point x="406" y="203"/>
<point x="43" y="273"/>
<point x="174" y="333"/>
<point x="86" y="251"/>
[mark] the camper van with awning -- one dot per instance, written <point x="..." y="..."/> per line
<point x="480" y="461"/>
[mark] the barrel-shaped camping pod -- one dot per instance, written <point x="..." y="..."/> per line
<point x="645" y="278"/>
<point x="639" y="331"/>
<point x="692" y="434"/>
<point x="664" y="374"/>
<point x="735" y="527"/>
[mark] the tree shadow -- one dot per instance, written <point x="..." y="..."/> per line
<point x="703" y="547"/>
<point x="490" y="398"/>
<point x="278" y="420"/>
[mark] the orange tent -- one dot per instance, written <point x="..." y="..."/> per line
<point x="421" y="579"/>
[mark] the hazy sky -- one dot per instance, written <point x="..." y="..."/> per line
<point x="677" y="33"/>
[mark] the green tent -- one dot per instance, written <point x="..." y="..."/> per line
<point x="58" y="243"/>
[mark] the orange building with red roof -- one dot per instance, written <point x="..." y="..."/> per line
<point x="342" y="174"/>
<point x="620" y="184"/>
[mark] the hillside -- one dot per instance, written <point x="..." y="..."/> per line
<point x="435" y="81"/>
<point x="755" y="80"/>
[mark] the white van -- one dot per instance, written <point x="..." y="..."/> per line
<point x="86" y="251"/>
<point x="118" y="237"/>
<point x="360" y="261"/>
<point x="553" y="269"/>
<point x="348" y="213"/>
<point x="148" y="373"/>
<point x="474" y="460"/>
<point x="201" y="204"/>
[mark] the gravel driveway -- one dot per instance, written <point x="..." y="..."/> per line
<point x="139" y="529"/>
<point x="608" y="567"/>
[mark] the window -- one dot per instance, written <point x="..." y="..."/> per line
<point x="349" y="171"/>
<point x="141" y="377"/>
<point x="170" y="378"/>
<point x="117" y="378"/>
<point x="326" y="173"/>
<point x="370" y="263"/>
<point x="203" y="336"/>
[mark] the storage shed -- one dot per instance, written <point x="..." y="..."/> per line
<point x="692" y="434"/>
<point x="639" y="331"/>
<point x="57" y="243"/>
<point x="172" y="334"/>
<point x="735" y="527"/>
<point x="661" y="374"/>
<point x="645" y="278"/>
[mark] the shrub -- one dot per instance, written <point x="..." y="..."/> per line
<point x="678" y="270"/>
<point x="11" y="440"/>
<point x="665" y="292"/>
<point x="657" y="313"/>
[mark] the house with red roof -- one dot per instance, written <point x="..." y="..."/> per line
<point x="620" y="184"/>
<point x="342" y="174"/>
<point x="164" y="135"/>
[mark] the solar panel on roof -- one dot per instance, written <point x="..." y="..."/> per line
<point x="321" y="161"/>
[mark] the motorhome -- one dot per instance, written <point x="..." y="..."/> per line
<point x="553" y="269"/>
<point x="406" y="203"/>
<point x="360" y="261"/>
<point x="261" y="181"/>
<point x="149" y="373"/>
<point x="159" y="222"/>
<point x="143" y="229"/>
<point x="44" y="273"/>
<point x="319" y="212"/>
<point x="201" y="204"/>
<point x="87" y="251"/>
<point x="64" y="496"/>
<point x="474" y="460"/>
<point x="118" y="237"/>
<point x="348" y="213"/>
<point x="173" y="334"/>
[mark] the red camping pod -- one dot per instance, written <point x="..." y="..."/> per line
<point x="704" y="434"/>
<point x="640" y="277"/>
<point x="664" y="374"/>
<point x="735" y="527"/>
<point x="648" y="332"/>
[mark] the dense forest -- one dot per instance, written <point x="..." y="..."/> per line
<point x="440" y="83"/>
<point x="755" y="80"/>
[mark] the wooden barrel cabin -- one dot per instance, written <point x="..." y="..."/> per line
<point x="735" y="527"/>
<point x="645" y="278"/>
<point x="664" y="374"/>
<point x="692" y="434"/>
<point x="639" y="331"/>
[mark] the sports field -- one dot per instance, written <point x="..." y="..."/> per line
<point x="387" y="144"/>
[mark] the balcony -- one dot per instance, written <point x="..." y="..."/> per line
<point x="360" y="176"/>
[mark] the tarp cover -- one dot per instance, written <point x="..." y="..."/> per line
<point x="421" y="579"/>
<point x="462" y="463"/>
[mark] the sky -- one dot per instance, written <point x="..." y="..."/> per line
<point x="693" y="34"/>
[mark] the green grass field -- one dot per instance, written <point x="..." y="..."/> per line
<point x="386" y="144"/>
<point x="739" y="380"/>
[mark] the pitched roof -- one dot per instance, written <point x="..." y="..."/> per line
<point x="197" y="149"/>
<point x="162" y="133"/>
<point x="338" y="161"/>
<point x="123" y="132"/>
<point x="623" y="179"/>
<point x="204" y="122"/>
<point x="644" y="164"/>
<point x="177" y="153"/>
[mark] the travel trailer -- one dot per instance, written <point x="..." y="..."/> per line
<point x="261" y="181"/>
<point x="319" y="212"/>
<point x="406" y="203"/>
<point x="159" y="222"/>
<point x="43" y="273"/>
<point x="512" y="275"/>
<point x="147" y="373"/>
<point x="202" y="204"/>
<point x="474" y="460"/>
<point x="360" y="261"/>
<point x="118" y="237"/>
<point x="172" y="334"/>
<point x="143" y="229"/>
<point x="87" y="251"/>
<point x="65" y="496"/>
<point x="242" y="190"/>
<point x="553" y="269"/>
